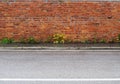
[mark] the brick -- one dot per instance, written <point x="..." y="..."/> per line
<point x="79" y="21"/>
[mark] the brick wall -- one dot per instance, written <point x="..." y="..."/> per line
<point x="78" y="21"/>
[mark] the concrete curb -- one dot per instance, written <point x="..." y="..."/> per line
<point x="30" y="49"/>
<point x="55" y="48"/>
<point x="60" y="51"/>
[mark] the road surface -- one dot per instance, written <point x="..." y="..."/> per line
<point x="60" y="65"/>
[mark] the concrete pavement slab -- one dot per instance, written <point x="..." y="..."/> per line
<point x="60" y="64"/>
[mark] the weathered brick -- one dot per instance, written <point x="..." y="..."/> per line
<point x="79" y="21"/>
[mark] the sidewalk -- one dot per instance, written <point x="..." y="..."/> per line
<point x="44" y="47"/>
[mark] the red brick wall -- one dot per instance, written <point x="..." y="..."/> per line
<point x="78" y="21"/>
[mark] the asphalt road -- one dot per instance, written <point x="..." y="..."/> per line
<point x="60" y="65"/>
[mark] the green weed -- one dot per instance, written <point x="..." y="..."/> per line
<point x="7" y="41"/>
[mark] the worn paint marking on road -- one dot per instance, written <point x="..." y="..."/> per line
<point x="83" y="79"/>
